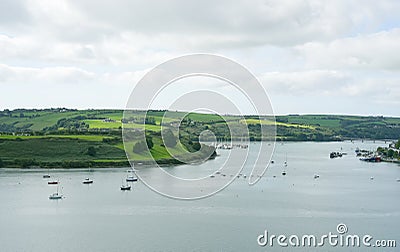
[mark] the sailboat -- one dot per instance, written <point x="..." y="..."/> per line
<point x="47" y="175"/>
<point x="285" y="165"/>
<point x="125" y="187"/>
<point x="56" y="195"/>
<point x="130" y="177"/>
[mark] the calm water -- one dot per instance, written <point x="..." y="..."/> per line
<point x="100" y="217"/>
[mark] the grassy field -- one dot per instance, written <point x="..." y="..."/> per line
<point x="81" y="137"/>
<point x="62" y="137"/>
<point x="54" y="150"/>
<point x="266" y="122"/>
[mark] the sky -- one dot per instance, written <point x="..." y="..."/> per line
<point x="311" y="57"/>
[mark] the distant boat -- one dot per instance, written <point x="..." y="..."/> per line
<point x="398" y="180"/>
<point x="316" y="176"/>
<point x="285" y="163"/>
<point x="130" y="177"/>
<point x="47" y="175"/>
<point x="335" y="154"/>
<point x="125" y="187"/>
<point x="212" y="176"/>
<point x="374" y="159"/>
<point x="56" y="195"/>
<point x="87" y="181"/>
<point x="272" y="161"/>
<point x="53" y="182"/>
<point x="371" y="178"/>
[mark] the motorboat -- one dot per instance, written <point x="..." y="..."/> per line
<point x="125" y="187"/>
<point x="87" y="181"/>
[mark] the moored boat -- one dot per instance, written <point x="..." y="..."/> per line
<point x="371" y="159"/>
<point x="125" y="187"/>
<point x="87" y="181"/>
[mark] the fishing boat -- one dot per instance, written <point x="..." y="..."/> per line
<point x="87" y="181"/>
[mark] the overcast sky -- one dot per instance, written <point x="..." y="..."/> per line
<point x="336" y="57"/>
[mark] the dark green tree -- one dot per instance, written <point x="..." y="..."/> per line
<point x="1" y="163"/>
<point x="139" y="147"/>
<point x="91" y="151"/>
<point x="169" y="139"/>
<point x="149" y="142"/>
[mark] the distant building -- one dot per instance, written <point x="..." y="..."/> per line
<point x="108" y="120"/>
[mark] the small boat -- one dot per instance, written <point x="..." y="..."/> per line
<point x="285" y="163"/>
<point x="284" y="173"/>
<point x="335" y="154"/>
<point x="398" y="180"/>
<point x="53" y="182"/>
<point x="56" y="195"/>
<point x="373" y="159"/>
<point x="272" y="161"/>
<point x="131" y="178"/>
<point x="212" y="176"/>
<point x="46" y="176"/>
<point x="130" y="175"/>
<point x="316" y="176"/>
<point x="87" y="181"/>
<point x="125" y="187"/>
<point x="371" y="178"/>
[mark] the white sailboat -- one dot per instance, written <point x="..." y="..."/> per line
<point x="130" y="177"/>
<point x="285" y="165"/>
<point x="56" y="195"/>
<point x="125" y="187"/>
<point x="47" y="175"/>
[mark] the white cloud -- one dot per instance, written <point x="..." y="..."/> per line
<point x="54" y="75"/>
<point x="372" y="51"/>
<point x="314" y="48"/>
<point x="325" y="82"/>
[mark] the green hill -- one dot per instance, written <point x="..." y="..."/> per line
<point x="62" y="137"/>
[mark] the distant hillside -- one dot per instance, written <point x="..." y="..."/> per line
<point x="92" y="138"/>
<point x="289" y="127"/>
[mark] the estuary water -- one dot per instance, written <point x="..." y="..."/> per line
<point x="100" y="217"/>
